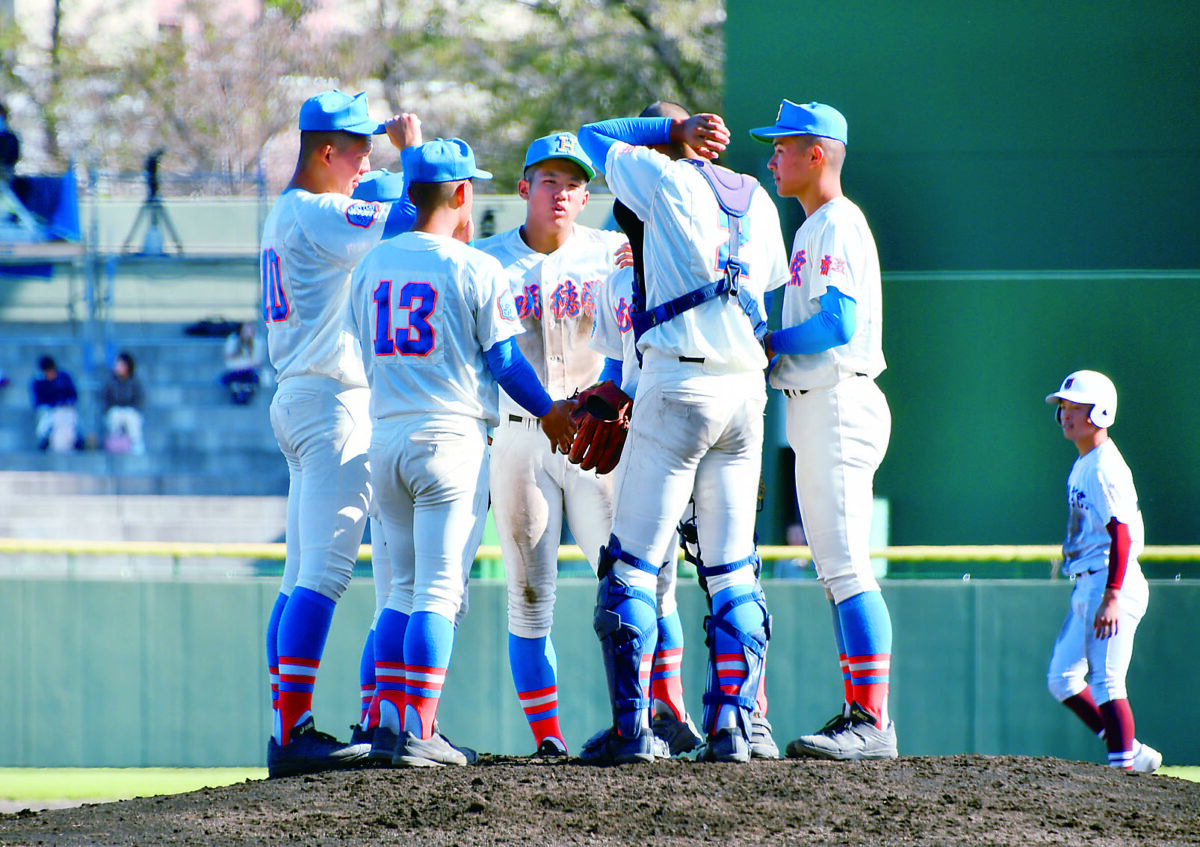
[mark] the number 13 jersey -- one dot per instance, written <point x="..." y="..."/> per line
<point x="425" y="308"/>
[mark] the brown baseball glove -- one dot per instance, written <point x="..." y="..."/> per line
<point x="602" y="413"/>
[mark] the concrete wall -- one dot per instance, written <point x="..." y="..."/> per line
<point x="113" y="673"/>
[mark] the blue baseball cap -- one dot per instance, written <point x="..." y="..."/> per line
<point x="441" y="160"/>
<point x="559" y="145"/>
<point x="381" y="186"/>
<point x="332" y="111"/>
<point x="808" y="119"/>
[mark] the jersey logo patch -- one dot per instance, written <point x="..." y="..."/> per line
<point x="362" y="214"/>
<point x="508" y="310"/>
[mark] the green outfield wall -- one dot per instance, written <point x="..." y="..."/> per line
<point x="138" y="674"/>
<point x="1031" y="172"/>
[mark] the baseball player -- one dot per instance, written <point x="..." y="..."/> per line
<point x="437" y="322"/>
<point x="697" y="418"/>
<point x="554" y="269"/>
<point x="1100" y="555"/>
<point x="614" y="337"/>
<point x="312" y="238"/>
<point x="377" y="186"/>
<point x="838" y="422"/>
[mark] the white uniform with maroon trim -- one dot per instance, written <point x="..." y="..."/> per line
<point x="1099" y="488"/>
<point x="698" y="415"/>
<point x="310" y="244"/>
<point x="532" y="487"/>
<point x="425" y="308"/>
<point x="838" y="421"/>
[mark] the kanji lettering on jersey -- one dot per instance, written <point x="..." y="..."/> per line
<point x="830" y="265"/>
<point x="624" y="322"/>
<point x="589" y="297"/>
<point x="529" y="303"/>
<point x="362" y="214"/>
<point x="797" y="263"/>
<point x="565" y="300"/>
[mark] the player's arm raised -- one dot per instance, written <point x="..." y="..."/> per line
<point x="404" y="130"/>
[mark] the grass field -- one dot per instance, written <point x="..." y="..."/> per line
<point x="36" y="785"/>
<point x="98" y="784"/>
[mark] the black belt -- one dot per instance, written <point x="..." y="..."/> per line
<point x="796" y="392"/>
<point x="695" y="360"/>
<point x="519" y="419"/>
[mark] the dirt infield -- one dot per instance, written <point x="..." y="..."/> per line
<point x="976" y="800"/>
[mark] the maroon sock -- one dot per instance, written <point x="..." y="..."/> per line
<point x="1118" y="725"/>
<point x="1084" y="706"/>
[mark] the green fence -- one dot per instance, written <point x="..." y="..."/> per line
<point x="134" y="674"/>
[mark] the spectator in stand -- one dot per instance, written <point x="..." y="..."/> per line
<point x="10" y="147"/>
<point x="122" y="401"/>
<point x="56" y="420"/>
<point x="243" y="358"/>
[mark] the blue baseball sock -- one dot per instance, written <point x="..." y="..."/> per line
<point x="867" y="630"/>
<point x="390" y="631"/>
<point x="666" y="679"/>
<point x="428" y="643"/>
<point x="535" y="676"/>
<point x="366" y="677"/>
<point x="303" y="628"/>
<point x="273" y="659"/>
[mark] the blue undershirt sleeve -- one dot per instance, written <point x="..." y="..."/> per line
<point x="612" y="370"/>
<point x="831" y="327"/>
<point x="510" y="368"/>
<point x="401" y="216"/>
<point x="597" y="138"/>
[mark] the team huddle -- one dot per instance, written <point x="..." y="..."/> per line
<point x="611" y="379"/>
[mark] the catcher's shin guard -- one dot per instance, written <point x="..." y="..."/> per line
<point x="737" y="633"/>
<point x="626" y="622"/>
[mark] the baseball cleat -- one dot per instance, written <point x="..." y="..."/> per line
<point x="854" y="738"/>
<point x="762" y="742"/>
<point x="1147" y="759"/>
<point x="430" y="752"/>
<point x="680" y="736"/>
<point x="727" y="744"/>
<point x="550" y="748"/>
<point x="607" y="747"/>
<point x="383" y="746"/>
<point x="358" y="735"/>
<point x="309" y="751"/>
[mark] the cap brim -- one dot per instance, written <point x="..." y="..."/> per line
<point x="766" y="133"/>
<point x="368" y="128"/>
<point x="481" y="174"/>
<point x="587" y="169"/>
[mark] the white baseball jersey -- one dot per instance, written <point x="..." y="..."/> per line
<point x="425" y="308"/>
<point x="612" y="332"/>
<point x="833" y="248"/>
<point x="555" y="296"/>
<point x="310" y="244"/>
<point x="1100" y="488"/>
<point x="686" y="244"/>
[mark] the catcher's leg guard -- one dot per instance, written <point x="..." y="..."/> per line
<point x="737" y="634"/>
<point x="626" y="622"/>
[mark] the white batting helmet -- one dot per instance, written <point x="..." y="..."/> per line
<point x="1089" y="387"/>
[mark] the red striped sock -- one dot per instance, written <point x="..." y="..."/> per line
<point x="297" y="676"/>
<point x="869" y="678"/>
<point x="422" y="693"/>
<point x="666" y="681"/>
<point x="541" y="710"/>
